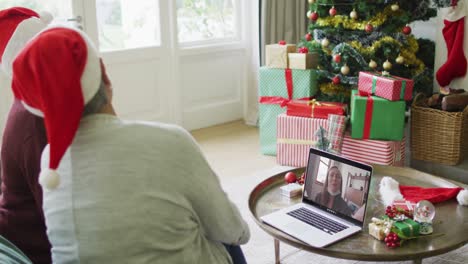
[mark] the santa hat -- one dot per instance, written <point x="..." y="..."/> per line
<point x="56" y="74"/>
<point x="17" y="26"/>
<point x="390" y="190"/>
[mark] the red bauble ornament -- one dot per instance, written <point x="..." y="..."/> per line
<point x="336" y="80"/>
<point x="303" y="50"/>
<point x="369" y="28"/>
<point x="282" y="42"/>
<point x="332" y="11"/>
<point x="308" y="37"/>
<point x="290" y="177"/>
<point x="314" y="16"/>
<point x="406" y="30"/>
<point x="337" y="58"/>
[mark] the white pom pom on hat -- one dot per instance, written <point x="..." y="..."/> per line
<point x="57" y="74"/>
<point x="462" y="197"/>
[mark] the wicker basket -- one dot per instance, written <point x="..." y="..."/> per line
<point x="438" y="136"/>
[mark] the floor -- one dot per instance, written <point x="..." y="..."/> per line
<point x="232" y="150"/>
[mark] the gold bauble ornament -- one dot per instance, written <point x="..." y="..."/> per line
<point x="373" y="64"/>
<point x="400" y="59"/>
<point x="345" y="69"/>
<point x="311" y="1"/>
<point x="395" y="7"/>
<point x="387" y="65"/>
<point x="325" y="42"/>
<point x="353" y="14"/>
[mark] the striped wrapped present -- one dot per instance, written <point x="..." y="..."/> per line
<point x="295" y="136"/>
<point x="374" y="151"/>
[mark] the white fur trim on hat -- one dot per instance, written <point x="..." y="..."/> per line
<point x="33" y="110"/>
<point x="49" y="179"/>
<point x="389" y="190"/>
<point x="462" y="197"/>
<point x="24" y="32"/>
<point x="454" y="13"/>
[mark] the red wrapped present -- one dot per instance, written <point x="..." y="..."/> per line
<point x="404" y="204"/>
<point x="374" y="151"/>
<point x="314" y="108"/>
<point x="295" y="136"/>
<point x="389" y="87"/>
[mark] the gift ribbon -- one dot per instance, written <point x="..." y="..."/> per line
<point x="368" y="115"/>
<point x="295" y="141"/>
<point x="410" y="228"/>
<point x="314" y="103"/>
<point x="281" y="100"/>
<point x="376" y="76"/>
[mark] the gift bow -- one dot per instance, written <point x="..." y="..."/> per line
<point x="314" y="103"/>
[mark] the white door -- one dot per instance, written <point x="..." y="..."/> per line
<point x="176" y="61"/>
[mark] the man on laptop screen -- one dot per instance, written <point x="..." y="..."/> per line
<point x="333" y="203"/>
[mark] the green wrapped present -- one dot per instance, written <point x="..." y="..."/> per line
<point x="276" y="88"/>
<point x="407" y="228"/>
<point x="373" y="117"/>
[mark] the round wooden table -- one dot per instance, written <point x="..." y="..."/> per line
<point x="450" y="223"/>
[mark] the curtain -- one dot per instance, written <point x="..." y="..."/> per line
<point x="278" y="20"/>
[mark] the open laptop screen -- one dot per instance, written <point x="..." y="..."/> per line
<point x="337" y="185"/>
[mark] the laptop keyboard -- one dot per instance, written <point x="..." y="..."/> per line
<point x="316" y="220"/>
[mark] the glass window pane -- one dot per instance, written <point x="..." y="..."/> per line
<point x="58" y="8"/>
<point x="199" y="20"/>
<point x="126" y="24"/>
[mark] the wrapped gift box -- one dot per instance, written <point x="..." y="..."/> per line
<point x="404" y="204"/>
<point x="377" y="231"/>
<point x="303" y="61"/>
<point x="407" y="228"/>
<point x="295" y="138"/>
<point x="373" y="117"/>
<point x="374" y="151"/>
<point x="315" y="109"/>
<point x="276" y="55"/>
<point x="389" y="87"/>
<point x="276" y="88"/>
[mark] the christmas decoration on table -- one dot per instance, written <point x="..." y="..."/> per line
<point x="294" y="185"/>
<point x="314" y="108"/>
<point x="295" y="136"/>
<point x="276" y="55"/>
<point x="381" y="152"/>
<point x="303" y="59"/>
<point x="369" y="35"/>
<point x="386" y="86"/>
<point x="373" y="117"/>
<point x="453" y="32"/>
<point x="276" y="88"/>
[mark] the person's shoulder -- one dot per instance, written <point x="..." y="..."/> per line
<point x="148" y="130"/>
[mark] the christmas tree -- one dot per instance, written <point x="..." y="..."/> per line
<point x="368" y="35"/>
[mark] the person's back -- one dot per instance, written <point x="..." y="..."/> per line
<point x="138" y="193"/>
<point x="21" y="216"/>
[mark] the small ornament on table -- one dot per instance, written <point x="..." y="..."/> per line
<point x="400" y="59"/>
<point x="353" y="14"/>
<point x="290" y="177"/>
<point x="336" y="80"/>
<point x="395" y="7"/>
<point x="372" y="64"/>
<point x="325" y="42"/>
<point x="337" y="58"/>
<point x="332" y="11"/>
<point x="424" y="212"/>
<point x="406" y="30"/>
<point x="292" y="188"/>
<point x="387" y="65"/>
<point x="345" y="69"/>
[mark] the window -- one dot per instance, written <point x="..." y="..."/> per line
<point x="58" y="8"/>
<point x="323" y="170"/>
<point x="202" y="20"/>
<point x="127" y="24"/>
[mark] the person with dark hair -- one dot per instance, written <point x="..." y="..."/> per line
<point x="330" y="196"/>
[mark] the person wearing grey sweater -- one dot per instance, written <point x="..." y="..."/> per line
<point x="123" y="191"/>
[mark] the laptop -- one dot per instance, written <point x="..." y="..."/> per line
<point x="331" y="209"/>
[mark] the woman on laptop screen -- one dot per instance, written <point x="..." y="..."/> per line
<point x="330" y="196"/>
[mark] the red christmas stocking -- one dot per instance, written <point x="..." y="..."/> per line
<point x="453" y="32"/>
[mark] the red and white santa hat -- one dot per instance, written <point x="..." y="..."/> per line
<point x="390" y="191"/>
<point x="18" y="25"/>
<point x="56" y="74"/>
